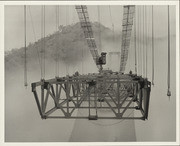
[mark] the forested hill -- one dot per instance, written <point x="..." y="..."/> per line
<point x="68" y="42"/>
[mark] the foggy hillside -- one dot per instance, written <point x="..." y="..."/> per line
<point x="68" y="42"/>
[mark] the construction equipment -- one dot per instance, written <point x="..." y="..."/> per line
<point x="127" y="23"/>
<point x="119" y="92"/>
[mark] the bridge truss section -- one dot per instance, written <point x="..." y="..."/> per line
<point x="88" y="32"/>
<point x="119" y="94"/>
<point x="128" y="15"/>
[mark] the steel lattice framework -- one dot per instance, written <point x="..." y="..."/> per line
<point x="63" y="97"/>
<point x="128" y="15"/>
<point x="87" y="29"/>
<point x="119" y="93"/>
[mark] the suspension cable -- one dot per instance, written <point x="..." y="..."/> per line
<point x="135" y="40"/>
<point x="44" y="40"/>
<point x="139" y="39"/>
<point x="169" y="67"/>
<point x="41" y="42"/>
<point x="25" y="50"/>
<point x="143" y="41"/>
<point x="67" y="22"/>
<point x="146" y="24"/>
<point x="152" y="46"/>
<point x="56" y="58"/>
<point x="82" y="59"/>
<point x="149" y="35"/>
<point x="34" y="34"/>
<point x="58" y="39"/>
<point x="32" y="23"/>
<point x="141" y="44"/>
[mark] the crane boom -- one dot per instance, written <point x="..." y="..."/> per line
<point x="128" y="14"/>
<point x="87" y="29"/>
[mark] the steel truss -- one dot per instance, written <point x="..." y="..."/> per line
<point x="118" y="93"/>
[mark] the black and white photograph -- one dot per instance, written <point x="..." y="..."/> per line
<point x="92" y="72"/>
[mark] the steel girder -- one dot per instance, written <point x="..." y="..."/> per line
<point x="117" y="92"/>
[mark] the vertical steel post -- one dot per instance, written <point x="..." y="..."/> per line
<point x="140" y="98"/>
<point x="42" y="97"/>
<point x="89" y="101"/>
<point x="57" y="93"/>
<point x="118" y="95"/>
<point x="95" y="98"/>
<point x="67" y="96"/>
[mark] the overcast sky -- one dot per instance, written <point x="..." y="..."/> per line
<point x="14" y="20"/>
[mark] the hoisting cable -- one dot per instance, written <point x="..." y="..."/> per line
<point x="82" y="59"/>
<point x="149" y="34"/>
<point x="112" y="25"/>
<point x="169" y="67"/>
<point x="67" y="16"/>
<point x="135" y="40"/>
<point x="34" y="34"/>
<point x="32" y="23"/>
<point x="41" y="42"/>
<point x="139" y="43"/>
<point x="58" y="39"/>
<point x="146" y="24"/>
<point x="152" y="47"/>
<point x="25" y="50"/>
<point x="56" y="58"/>
<point x="143" y="42"/>
<point x="130" y="56"/>
<point x="99" y="21"/>
<point x="44" y="40"/>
